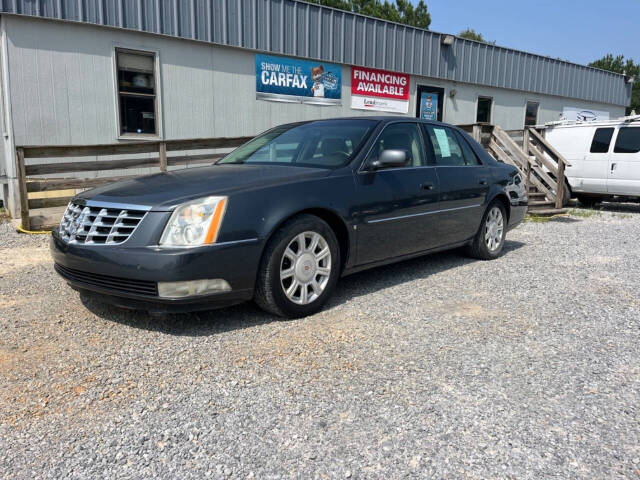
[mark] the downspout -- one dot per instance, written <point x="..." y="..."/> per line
<point x="8" y="142"/>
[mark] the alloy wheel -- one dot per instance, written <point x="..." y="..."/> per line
<point x="305" y="267"/>
<point x="494" y="228"/>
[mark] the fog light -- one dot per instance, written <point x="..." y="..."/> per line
<point x="192" y="288"/>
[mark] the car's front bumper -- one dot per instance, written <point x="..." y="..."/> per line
<point x="128" y="276"/>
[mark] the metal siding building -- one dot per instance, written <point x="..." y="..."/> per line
<point x="59" y="79"/>
<point x="295" y="28"/>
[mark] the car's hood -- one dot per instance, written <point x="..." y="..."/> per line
<point x="163" y="191"/>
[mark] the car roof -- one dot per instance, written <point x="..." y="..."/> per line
<point x="378" y="118"/>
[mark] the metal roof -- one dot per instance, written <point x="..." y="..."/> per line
<point x="293" y="27"/>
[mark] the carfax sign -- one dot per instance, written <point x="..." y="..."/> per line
<point x="284" y="79"/>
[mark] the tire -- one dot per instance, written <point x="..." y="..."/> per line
<point x="275" y="290"/>
<point x="479" y="247"/>
<point x="588" y="201"/>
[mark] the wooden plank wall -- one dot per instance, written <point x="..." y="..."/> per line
<point x="45" y="213"/>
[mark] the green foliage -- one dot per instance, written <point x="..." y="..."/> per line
<point x="583" y="212"/>
<point x="628" y="67"/>
<point x="471" y="34"/>
<point x="400" y="11"/>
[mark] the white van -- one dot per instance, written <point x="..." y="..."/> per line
<point x="604" y="157"/>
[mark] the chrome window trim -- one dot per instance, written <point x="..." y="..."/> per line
<point x="378" y="220"/>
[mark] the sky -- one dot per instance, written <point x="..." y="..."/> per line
<point x="576" y="30"/>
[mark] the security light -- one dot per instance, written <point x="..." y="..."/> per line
<point x="447" y="40"/>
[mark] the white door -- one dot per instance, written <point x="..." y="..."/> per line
<point x="591" y="173"/>
<point x="624" y="163"/>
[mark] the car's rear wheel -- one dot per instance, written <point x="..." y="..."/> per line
<point x="299" y="268"/>
<point x="489" y="241"/>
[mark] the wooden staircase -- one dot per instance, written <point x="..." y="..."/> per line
<point x="541" y="166"/>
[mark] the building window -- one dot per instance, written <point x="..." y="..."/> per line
<point x="483" y="115"/>
<point x="531" y="114"/>
<point x="136" y="92"/>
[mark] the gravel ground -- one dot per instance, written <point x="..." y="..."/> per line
<point x="441" y="367"/>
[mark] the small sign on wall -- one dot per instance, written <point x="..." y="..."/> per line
<point x="429" y="106"/>
<point x="379" y="90"/>
<point x="284" y="79"/>
<point x="575" y="114"/>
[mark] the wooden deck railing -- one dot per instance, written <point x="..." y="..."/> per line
<point x="44" y="213"/>
<point x="541" y="165"/>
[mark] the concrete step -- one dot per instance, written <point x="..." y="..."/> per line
<point x="540" y="203"/>
<point x="546" y="212"/>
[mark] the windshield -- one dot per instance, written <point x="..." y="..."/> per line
<point x="324" y="144"/>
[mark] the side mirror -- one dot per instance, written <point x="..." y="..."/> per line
<point x="390" y="159"/>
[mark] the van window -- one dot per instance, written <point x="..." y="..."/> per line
<point x="628" y="140"/>
<point x="601" y="140"/>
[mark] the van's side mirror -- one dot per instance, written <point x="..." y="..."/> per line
<point x="390" y="159"/>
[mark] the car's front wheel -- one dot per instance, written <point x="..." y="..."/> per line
<point x="299" y="268"/>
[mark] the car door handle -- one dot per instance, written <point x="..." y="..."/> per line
<point x="426" y="186"/>
<point x="613" y="167"/>
<point x="483" y="182"/>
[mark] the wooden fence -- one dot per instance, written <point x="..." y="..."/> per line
<point x="45" y="213"/>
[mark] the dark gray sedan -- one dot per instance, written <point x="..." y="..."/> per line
<point x="281" y="218"/>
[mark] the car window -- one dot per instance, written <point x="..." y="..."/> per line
<point x="448" y="150"/>
<point x="324" y="143"/>
<point x="601" y="140"/>
<point x="628" y="140"/>
<point x="401" y="136"/>
<point x="470" y="157"/>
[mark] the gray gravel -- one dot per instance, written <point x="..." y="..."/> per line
<point x="441" y="367"/>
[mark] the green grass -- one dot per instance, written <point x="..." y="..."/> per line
<point x="537" y="219"/>
<point x="584" y="213"/>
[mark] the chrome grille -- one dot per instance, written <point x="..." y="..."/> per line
<point x="98" y="224"/>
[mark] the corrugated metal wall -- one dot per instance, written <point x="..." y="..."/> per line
<point x="296" y="28"/>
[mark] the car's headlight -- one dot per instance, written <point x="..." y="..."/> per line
<point x="195" y="223"/>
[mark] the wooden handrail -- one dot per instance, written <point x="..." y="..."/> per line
<point x="562" y="163"/>
<point x="513" y="146"/>
<point x="547" y="146"/>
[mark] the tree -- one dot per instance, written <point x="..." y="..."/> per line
<point x="471" y="34"/>
<point x="400" y="11"/>
<point x="628" y="67"/>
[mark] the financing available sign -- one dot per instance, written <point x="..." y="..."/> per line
<point x="379" y="90"/>
<point x="284" y="79"/>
